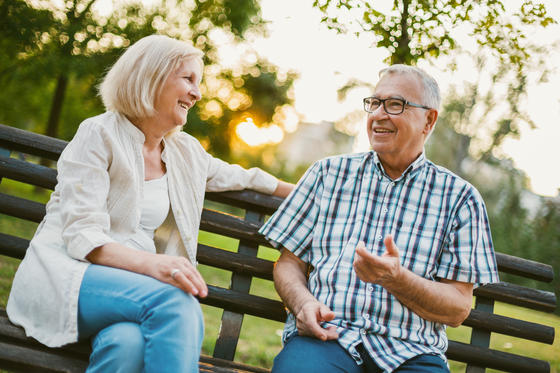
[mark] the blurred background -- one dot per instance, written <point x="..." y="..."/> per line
<point x="283" y="83"/>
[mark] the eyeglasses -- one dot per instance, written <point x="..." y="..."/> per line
<point x="391" y="105"/>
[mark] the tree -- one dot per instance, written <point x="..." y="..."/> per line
<point x="53" y="49"/>
<point x="414" y="30"/>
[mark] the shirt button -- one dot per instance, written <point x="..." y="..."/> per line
<point x="366" y="315"/>
<point x="379" y="237"/>
<point x="369" y="288"/>
<point x="363" y="331"/>
<point x="385" y="209"/>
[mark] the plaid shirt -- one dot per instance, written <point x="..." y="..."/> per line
<point x="438" y="222"/>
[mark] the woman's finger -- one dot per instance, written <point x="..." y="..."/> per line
<point x="196" y="279"/>
<point x="185" y="283"/>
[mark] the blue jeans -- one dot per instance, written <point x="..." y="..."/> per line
<point x="310" y="355"/>
<point x="138" y="323"/>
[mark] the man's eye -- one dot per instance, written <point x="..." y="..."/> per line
<point x="374" y="103"/>
<point x="393" y="104"/>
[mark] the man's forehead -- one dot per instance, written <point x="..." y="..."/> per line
<point x="397" y="85"/>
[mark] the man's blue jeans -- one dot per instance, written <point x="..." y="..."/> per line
<point x="138" y="323"/>
<point x="311" y="355"/>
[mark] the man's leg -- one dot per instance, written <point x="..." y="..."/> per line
<point x="424" y="364"/>
<point x="310" y="355"/>
<point x="169" y="319"/>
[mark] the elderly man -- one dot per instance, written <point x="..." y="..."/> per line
<point x="380" y="249"/>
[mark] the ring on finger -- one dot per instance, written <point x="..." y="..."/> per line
<point x="174" y="271"/>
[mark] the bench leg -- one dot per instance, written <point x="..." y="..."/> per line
<point x="480" y="337"/>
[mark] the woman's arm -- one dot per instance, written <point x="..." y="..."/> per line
<point x="158" y="266"/>
<point x="283" y="189"/>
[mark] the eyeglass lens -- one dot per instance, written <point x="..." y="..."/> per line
<point x="391" y="105"/>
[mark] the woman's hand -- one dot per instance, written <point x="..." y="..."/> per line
<point x="178" y="271"/>
<point x="174" y="270"/>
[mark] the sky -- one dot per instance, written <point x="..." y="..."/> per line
<point x="297" y="41"/>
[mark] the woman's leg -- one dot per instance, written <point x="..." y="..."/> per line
<point x="169" y="319"/>
<point x="118" y="348"/>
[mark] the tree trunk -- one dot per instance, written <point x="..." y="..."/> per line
<point x="56" y="106"/>
<point x="56" y="109"/>
<point x="402" y="54"/>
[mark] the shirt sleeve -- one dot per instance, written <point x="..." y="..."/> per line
<point x="224" y="176"/>
<point x="83" y="183"/>
<point x="468" y="254"/>
<point x="291" y="226"/>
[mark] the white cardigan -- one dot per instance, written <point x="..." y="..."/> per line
<point x="96" y="201"/>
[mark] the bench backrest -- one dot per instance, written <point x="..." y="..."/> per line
<point x="244" y="264"/>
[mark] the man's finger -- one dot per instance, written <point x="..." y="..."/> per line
<point x="325" y="313"/>
<point x="331" y="333"/>
<point x="390" y="246"/>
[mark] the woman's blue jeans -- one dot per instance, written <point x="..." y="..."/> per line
<point x="138" y="323"/>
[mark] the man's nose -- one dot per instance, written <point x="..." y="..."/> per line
<point x="378" y="113"/>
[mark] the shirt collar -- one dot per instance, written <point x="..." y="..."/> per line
<point x="131" y="129"/>
<point x="411" y="170"/>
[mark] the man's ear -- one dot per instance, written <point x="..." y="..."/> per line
<point x="431" y="119"/>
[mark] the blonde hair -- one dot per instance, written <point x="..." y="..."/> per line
<point x="134" y="82"/>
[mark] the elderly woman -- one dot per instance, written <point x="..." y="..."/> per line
<point x="115" y="257"/>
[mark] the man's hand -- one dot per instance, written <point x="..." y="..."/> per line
<point x="309" y="319"/>
<point x="378" y="269"/>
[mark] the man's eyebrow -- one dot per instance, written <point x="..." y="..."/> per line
<point x="393" y="96"/>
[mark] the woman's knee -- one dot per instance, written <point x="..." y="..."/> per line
<point x="118" y="348"/>
<point x="181" y="309"/>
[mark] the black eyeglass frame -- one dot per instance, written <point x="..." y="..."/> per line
<point x="404" y="103"/>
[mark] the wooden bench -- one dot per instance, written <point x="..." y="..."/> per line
<point x="19" y="353"/>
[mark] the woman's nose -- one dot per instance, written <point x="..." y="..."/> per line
<point x="195" y="92"/>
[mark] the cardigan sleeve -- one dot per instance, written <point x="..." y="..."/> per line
<point x="224" y="176"/>
<point x="83" y="184"/>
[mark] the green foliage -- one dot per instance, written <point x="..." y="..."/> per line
<point x="420" y="29"/>
<point x="67" y="47"/>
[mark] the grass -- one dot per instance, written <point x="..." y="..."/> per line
<point x="260" y="339"/>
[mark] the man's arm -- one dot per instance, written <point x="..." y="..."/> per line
<point x="291" y="284"/>
<point x="447" y="302"/>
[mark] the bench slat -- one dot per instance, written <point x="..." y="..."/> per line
<point x="31" y="143"/>
<point x="525" y="267"/>
<point x="244" y="303"/>
<point x="519" y="295"/>
<point x="509" y="326"/>
<point x="21" y="208"/>
<point x="495" y="359"/>
<point x="12" y="246"/>
<point x="235" y="262"/>
<point x="231" y="226"/>
<point x="27" y="172"/>
<point x="32" y="360"/>
<point x="247" y="199"/>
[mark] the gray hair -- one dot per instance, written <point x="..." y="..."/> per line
<point x="431" y="96"/>
<point x="134" y="82"/>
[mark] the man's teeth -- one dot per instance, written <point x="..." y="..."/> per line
<point x="382" y="130"/>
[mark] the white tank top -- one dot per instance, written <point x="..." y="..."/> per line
<point x="154" y="209"/>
